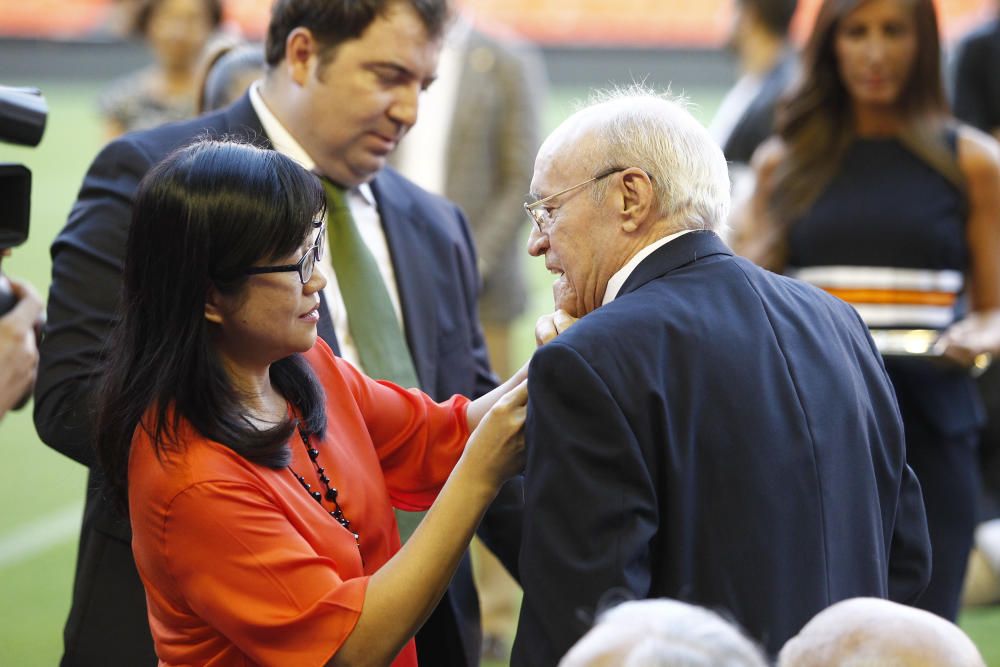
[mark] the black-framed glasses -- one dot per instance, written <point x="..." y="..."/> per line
<point x="540" y="215"/>
<point x="306" y="264"/>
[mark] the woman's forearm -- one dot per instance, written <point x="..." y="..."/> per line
<point x="403" y="593"/>
<point x="478" y="408"/>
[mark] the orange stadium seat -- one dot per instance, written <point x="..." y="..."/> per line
<point x="692" y="23"/>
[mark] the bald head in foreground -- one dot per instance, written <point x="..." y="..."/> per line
<point x="707" y="431"/>
<point x="663" y="633"/>
<point x="869" y="632"/>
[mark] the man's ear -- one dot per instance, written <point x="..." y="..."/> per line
<point x="213" y="311"/>
<point x="638" y="198"/>
<point x="301" y="54"/>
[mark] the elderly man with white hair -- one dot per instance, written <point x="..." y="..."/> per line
<point x="870" y="632"/>
<point x="663" y="633"/>
<point x="707" y="431"/>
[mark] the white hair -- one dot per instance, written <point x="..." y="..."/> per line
<point x="663" y="633"/>
<point x="871" y="632"/>
<point x="638" y="127"/>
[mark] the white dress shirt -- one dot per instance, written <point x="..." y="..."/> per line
<point x="364" y="209"/>
<point x="621" y="275"/>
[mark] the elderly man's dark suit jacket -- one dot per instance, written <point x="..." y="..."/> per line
<point x="717" y="434"/>
<point x="432" y="252"/>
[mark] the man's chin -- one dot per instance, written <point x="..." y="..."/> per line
<point x="564" y="298"/>
<point x="364" y="168"/>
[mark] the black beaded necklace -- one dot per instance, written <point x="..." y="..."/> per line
<point x="331" y="493"/>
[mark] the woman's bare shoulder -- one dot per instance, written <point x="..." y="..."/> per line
<point x="978" y="154"/>
<point x="768" y="156"/>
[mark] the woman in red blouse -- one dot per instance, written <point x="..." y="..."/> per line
<point x="260" y="471"/>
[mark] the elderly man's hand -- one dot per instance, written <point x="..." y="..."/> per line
<point x="551" y="325"/>
<point x="18" y="346"/>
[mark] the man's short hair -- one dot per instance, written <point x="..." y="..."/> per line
<point x="638" y="127"/>
<point x="662" y="633"/>
<point x="776" y="15"/>
<point x="333" y="22"/>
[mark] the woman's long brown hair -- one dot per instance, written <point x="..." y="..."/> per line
<point x="815" y="120"/>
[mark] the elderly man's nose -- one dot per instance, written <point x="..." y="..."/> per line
<point x="538" y="243"/>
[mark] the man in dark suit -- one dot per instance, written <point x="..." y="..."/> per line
<point x="707" y="431"/>
<point x="976" y="79"/>
<point x="475" y="144"/>
<point x="341" y="89"/>
<point x="976" y="101"/>
<point x="768" y="63"/>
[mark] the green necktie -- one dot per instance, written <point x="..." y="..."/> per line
<point x="377" y="334"/>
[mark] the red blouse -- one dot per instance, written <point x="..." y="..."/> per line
<point x="242" y="567"/>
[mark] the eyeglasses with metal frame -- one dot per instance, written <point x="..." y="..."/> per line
<point x="540" y="215"/>
<point x="306" y="264"/>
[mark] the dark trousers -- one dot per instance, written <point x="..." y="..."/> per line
<point x="948" y="470"/>
<point x="107" y="621"/>
<point x="989" y="445"/>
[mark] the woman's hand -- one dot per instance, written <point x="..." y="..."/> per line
<point x="495" y="450"/>
<point x="401" y="595"/>
<point x="972" y="341"/>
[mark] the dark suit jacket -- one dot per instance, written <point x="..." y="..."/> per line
<point x="977" y="79"/>
<point x="757" y="122"/>
<point x="717" y="434"/>
<point x="430" y="246"/>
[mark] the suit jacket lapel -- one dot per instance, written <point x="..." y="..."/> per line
<point x="675" y="254"/>
<point x="403" y="234"/>
<point x="242" y="123"/>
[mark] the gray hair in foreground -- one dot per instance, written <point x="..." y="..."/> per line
<point x="871" y="632"/>
<point x="639" y="127"/>
<point x="663" y="633"/>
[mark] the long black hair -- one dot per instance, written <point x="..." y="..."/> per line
<point x="201" y="217"/>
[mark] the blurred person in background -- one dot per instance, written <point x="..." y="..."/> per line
<point x="976" y="98"/>
<point x="119" y="23"/>
<point x="707" y="430"/>
<point x="227" y="73"/>
<point x="768" y="62"/>
<point x="869" y="632"/>
<point x="176" y="32"/>
<point x="259" y="470"/>
<point x="758" y="35"/>
<point x="18" y="343"/>
<point x="977" y="77"/>
<point x="872" y="191"/>
<point x="342" y="87"/>
<point x="475" y="144"/>
<point x="663" y="633"/>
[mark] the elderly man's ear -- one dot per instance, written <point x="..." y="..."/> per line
<point x="637" y="199"/>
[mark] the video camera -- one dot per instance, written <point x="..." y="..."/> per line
<point x="23" y="113"/>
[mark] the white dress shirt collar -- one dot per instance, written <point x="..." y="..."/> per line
<point x="285" y="143"/>
<point x="622" y="274"/>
